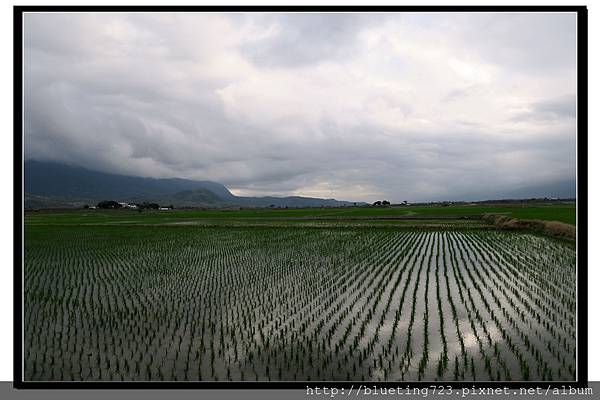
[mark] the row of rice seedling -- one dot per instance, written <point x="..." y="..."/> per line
<point x="538" y="337"/>
<point x="289" y="303"/>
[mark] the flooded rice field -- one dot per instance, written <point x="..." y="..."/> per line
<point x="295" y="304"/>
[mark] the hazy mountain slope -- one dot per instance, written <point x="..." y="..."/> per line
<point x="52" y="179"/>
<point x="562" y="189"/>
<point x="49" y="184"/>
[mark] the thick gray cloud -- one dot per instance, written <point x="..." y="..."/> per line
<point x="357" y="107"/>
<point x="552" y="109"/>
<point x="299" y="40"/>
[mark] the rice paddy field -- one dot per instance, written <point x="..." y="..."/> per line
<point x="169" y="298"/>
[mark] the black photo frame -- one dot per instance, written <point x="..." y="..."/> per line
<point x="581" y="207"/>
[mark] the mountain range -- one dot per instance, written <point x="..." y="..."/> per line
<point x="563" y="189"/>
<point x="54" y="185"/>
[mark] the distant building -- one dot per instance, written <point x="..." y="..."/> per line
<point x="164" y="208"/>
<point x="127" y="205"/>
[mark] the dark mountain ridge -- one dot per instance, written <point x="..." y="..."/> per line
<point x="59" y="184"/>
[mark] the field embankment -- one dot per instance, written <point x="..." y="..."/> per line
<point x="551" y="228"/>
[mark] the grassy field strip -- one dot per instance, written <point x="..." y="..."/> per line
<point x="564" y="212"/>
<point x="273" y="223"/>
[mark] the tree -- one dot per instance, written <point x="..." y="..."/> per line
<point x="148" y="206"/>
<point x="108" y="204"/>
<point x="385" y="203"/>
<point x="377" y="203"/>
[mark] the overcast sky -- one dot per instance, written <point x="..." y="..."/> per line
<point x="411" y="107"/>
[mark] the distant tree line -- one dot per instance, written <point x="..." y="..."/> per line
<point x="111" y="204"/>
<point x="148" y="206"/>
<point x="381" y="203"/>
<point x="107" y="204"/>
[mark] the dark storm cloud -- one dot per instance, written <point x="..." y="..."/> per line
<point x="357" y="107"/>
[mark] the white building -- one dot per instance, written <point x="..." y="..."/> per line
<point x="127" y="205"/>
